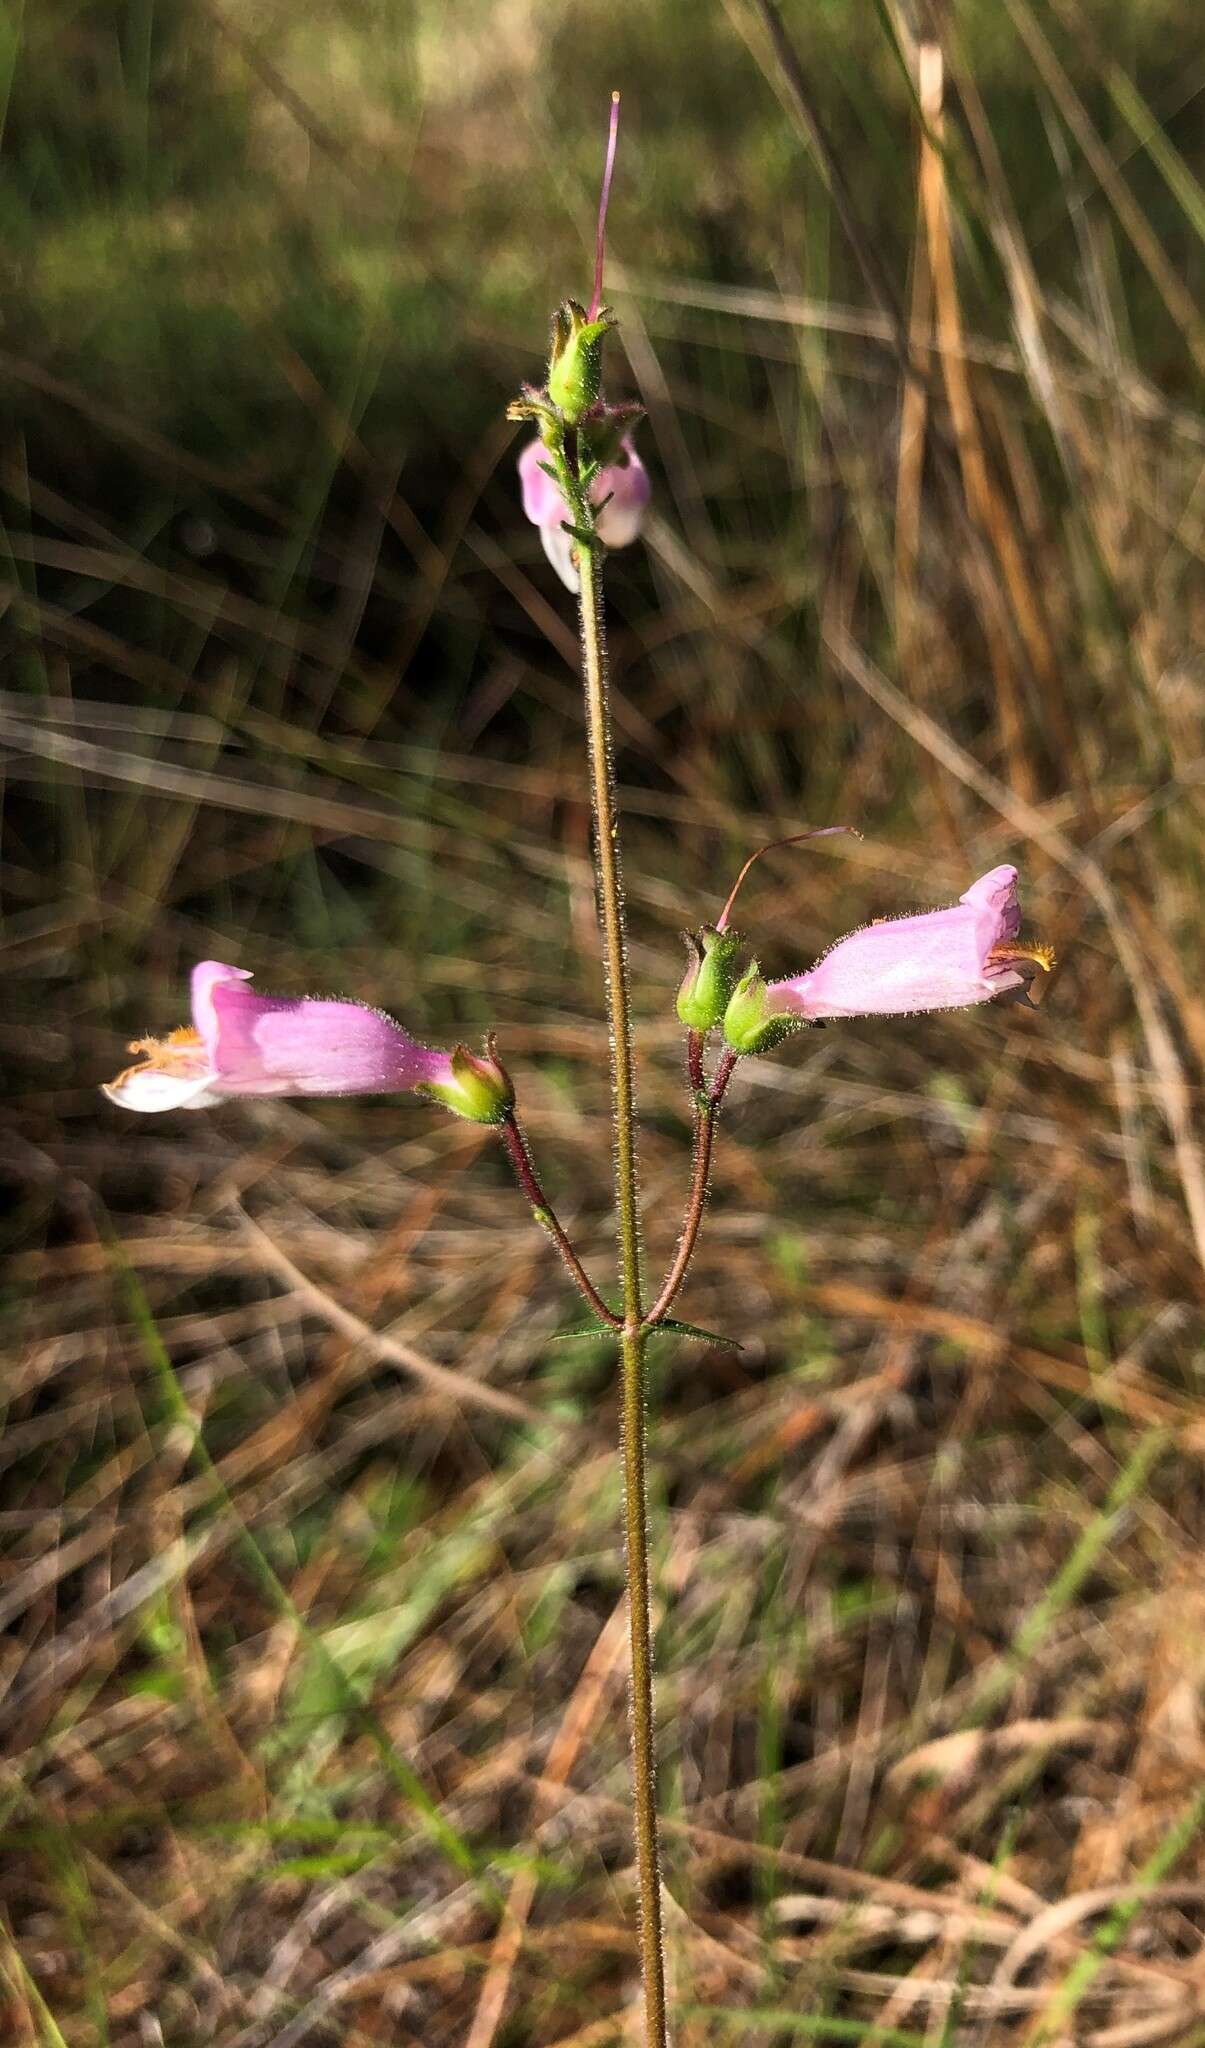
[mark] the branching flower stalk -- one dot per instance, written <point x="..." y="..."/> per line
<point x="586" y="490"/>
<point x="707" y="1109"/>
<point x="515" y="1145"/>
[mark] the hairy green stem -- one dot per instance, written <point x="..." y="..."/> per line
<point x="644" y="1769"/>
<point x="632" y="1347"/>
<point x="610" y="888"/>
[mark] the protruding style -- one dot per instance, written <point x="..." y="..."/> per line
<point x="604" y="200"/>
<point x="583" y="455"/>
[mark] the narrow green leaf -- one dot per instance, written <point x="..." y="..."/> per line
<point x="692" y="1330"/>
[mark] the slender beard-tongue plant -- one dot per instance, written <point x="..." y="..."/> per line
<point x="586" y="490"/>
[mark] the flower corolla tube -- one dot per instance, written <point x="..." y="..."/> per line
<point x="939" y="960"/>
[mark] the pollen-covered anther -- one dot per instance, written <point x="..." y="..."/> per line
<point x="181" y="1052"/>
<point x="1010" y="953"/>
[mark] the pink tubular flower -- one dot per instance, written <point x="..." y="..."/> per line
<point x="244" y="1044"/>
<point x="941" y="960"/>
<point x="625" y="483"/>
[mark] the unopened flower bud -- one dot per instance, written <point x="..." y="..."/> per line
<point x="710" y="977"/>
<point x="575" y="365"/>
<point x="479" y="1089"/>
<point x="752" y="1023"/>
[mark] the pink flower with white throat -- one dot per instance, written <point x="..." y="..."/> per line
<point x="240" y="1043"/>
<point x="624" y="484"/>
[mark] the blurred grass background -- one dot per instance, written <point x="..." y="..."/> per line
<point x="311" y="1680"/>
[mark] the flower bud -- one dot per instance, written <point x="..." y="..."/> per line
<point x="751" y="1022"/>
<point x="710" y="977"/>
<point x="479" y="1089"/>
<point x="575" y="365"/>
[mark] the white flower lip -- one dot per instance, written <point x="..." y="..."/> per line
<point x="149" y="1089"/>
<point x="558" y="546"/>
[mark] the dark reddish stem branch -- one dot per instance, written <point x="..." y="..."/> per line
<point x="520" y="1158"/>
<point x="694" y="1064"/>
<point x="707" y="1104"/>
<point x="772" y="846"/>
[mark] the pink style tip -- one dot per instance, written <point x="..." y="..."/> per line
<point x="240" y="1043"/>
<point x="939" y="960"/>
<point x="625" y="483"/>
<point x="600" y="245"/>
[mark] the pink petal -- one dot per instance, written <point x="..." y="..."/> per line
<point x="994" y="899"/>
<point x="206" y="977"/>
<point x="619" y="523"/>
<point x="542" y="501"/>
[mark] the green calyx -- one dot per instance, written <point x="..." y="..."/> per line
<point x="575" y="364"/>
<point x="533" y="405"/>
<point x="710" y="977"/>
<point x="479" y="1089"/>
<point x="750" y="1025"/>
